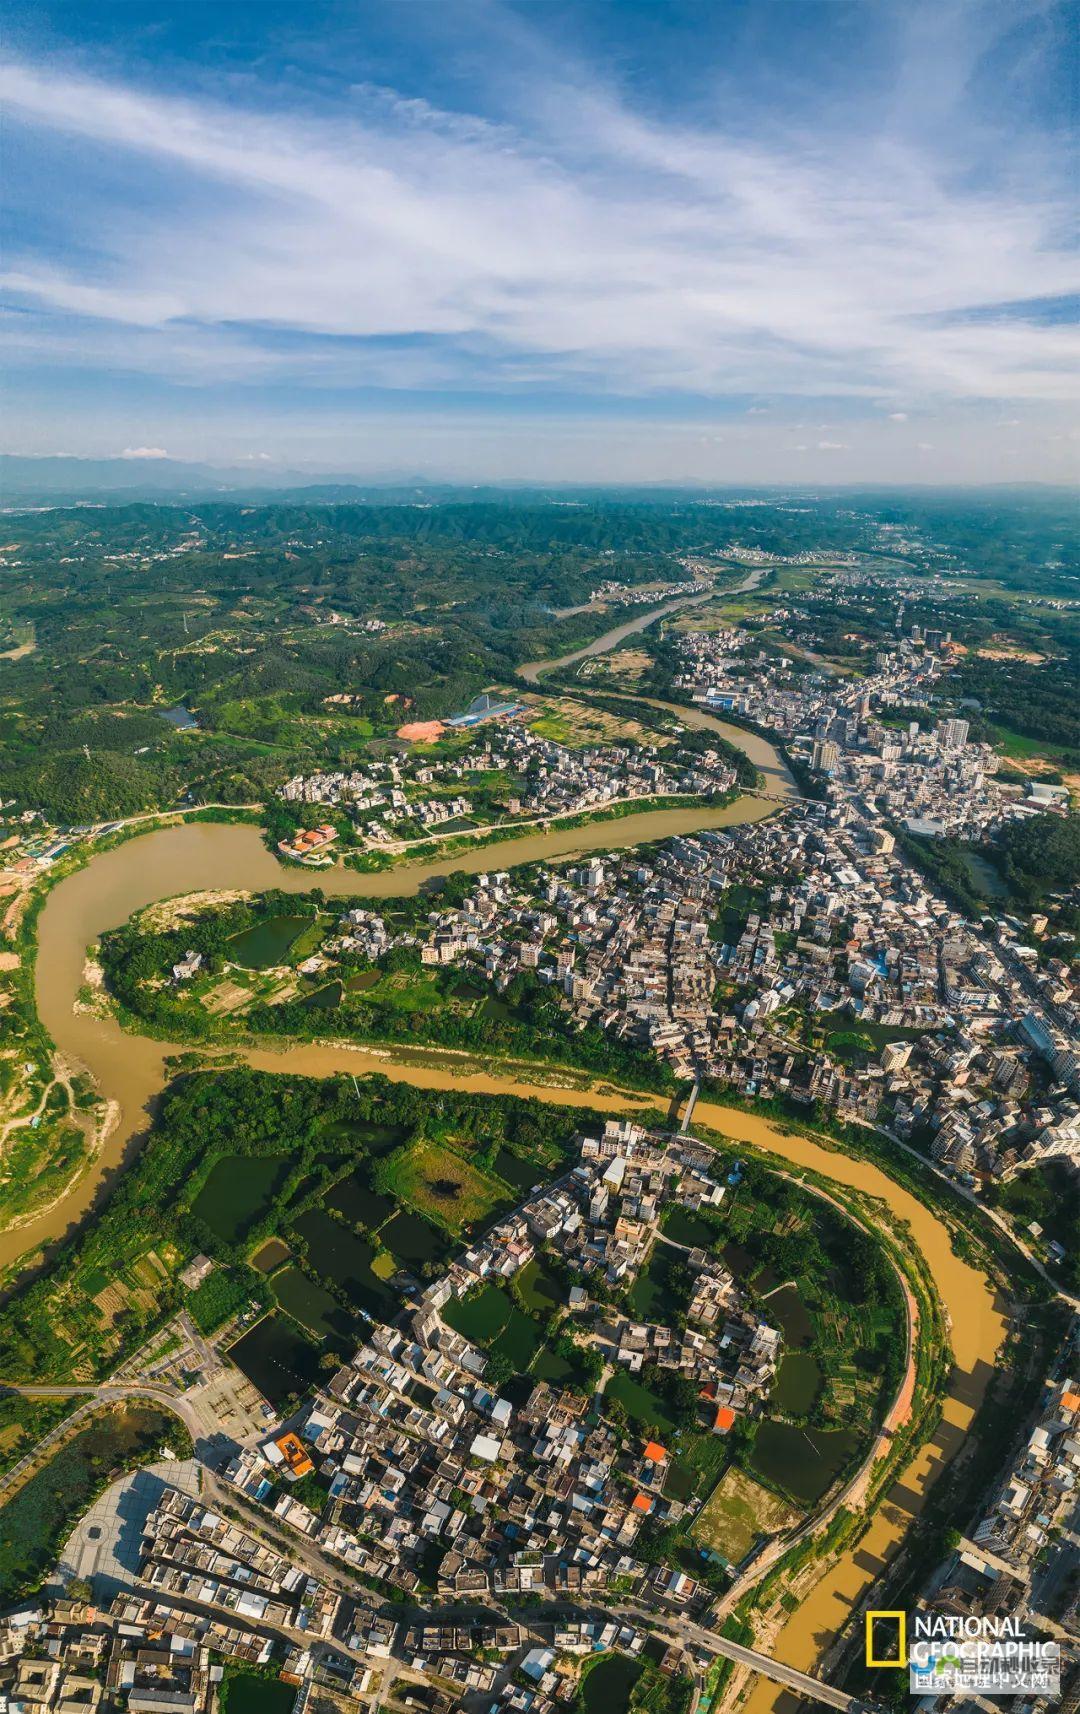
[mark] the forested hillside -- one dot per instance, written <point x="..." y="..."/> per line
<point x="252" y="617"/>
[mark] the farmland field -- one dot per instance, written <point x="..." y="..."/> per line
<point x="738" y="1511"/>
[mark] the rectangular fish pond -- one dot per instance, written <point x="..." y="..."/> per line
<point x="277" y="1358"/>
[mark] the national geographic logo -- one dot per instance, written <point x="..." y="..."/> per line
<point x="951" y="1654"/>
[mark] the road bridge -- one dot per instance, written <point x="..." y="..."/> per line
<point x="803" y="1683"/>
<point x="690" y="1105"/>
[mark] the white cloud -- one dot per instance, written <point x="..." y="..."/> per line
<point x="144" y="452"/>
<point x="898" y="416"/>
<point x="833" y="445"/>
<point x="598" y="250"/>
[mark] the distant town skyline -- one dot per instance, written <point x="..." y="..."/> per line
<point x="750" y="242"/>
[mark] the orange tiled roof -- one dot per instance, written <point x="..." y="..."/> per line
<point x="724" y="1419"/>
<point x="655" y="1453"/>
<point x="643" y="1503"/>
<point x="292" y="1450"/>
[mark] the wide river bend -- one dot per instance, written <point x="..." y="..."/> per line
<point x="130" y="1070"/>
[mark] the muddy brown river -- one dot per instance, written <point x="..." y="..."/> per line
<point x="130" y="1070"/>
<point x="534" y="671"/>
<point x="199" y="856"/>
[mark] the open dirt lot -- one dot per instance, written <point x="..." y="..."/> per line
<point x="737" y="1512"/>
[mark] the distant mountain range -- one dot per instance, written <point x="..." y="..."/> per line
<point x="28" y="481"/>
<point x="62" y="478"/>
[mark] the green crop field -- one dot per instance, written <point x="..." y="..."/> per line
<point x="436" y="1180"/>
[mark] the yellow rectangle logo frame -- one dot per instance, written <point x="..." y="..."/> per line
<point x="872" y="1616"/>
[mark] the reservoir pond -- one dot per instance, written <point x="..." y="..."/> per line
<point x="240" y="1189"/>
<point x="797" y="1385"/>
<point x="609" y="1684"/>
<point x="266" y="943"/>
<point x="313" y="1306"/>
<point x="414" y="1240"/>
<point x="277" y="1358"/>
<point x="520" y="1175"/>
<point x="785" y="1309"/>
<point x="357" y="1203"/>
<point x="683" y="1226"/>
<point x="803" y="1462"/>
<point x="347" y="1260"/>
<point x="270" y="1256"/>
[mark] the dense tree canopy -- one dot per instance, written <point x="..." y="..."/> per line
<point x="1042" y="855"/>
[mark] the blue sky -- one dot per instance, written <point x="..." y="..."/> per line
<point x="733" y="240"/>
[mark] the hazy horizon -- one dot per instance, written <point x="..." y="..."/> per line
<point x="164" y="476"/>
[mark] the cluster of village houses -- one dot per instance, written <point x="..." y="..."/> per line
<point x="385" y="786"/>
<point x="1004" y="1090"/>
<point x="971" y="1046"/>
<point x="559" y="781"/>
<point x="982" y="1069"/>
<point x="1020" y="1561"/>
<point x="544" y="1496"/>
<point x="140" y="1654"/>
<point x="136" y="1654"/>
<point x="143" y="1653"/>
<point x="934" y="783"/>
<point x="436" y="1480"/>
<point x="806" y="556"/>
<point x="1039" y="1497"/>
<point x="648" y="594"/>
<point x="189" y="1550"/>
<point x="385" y="798"/>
